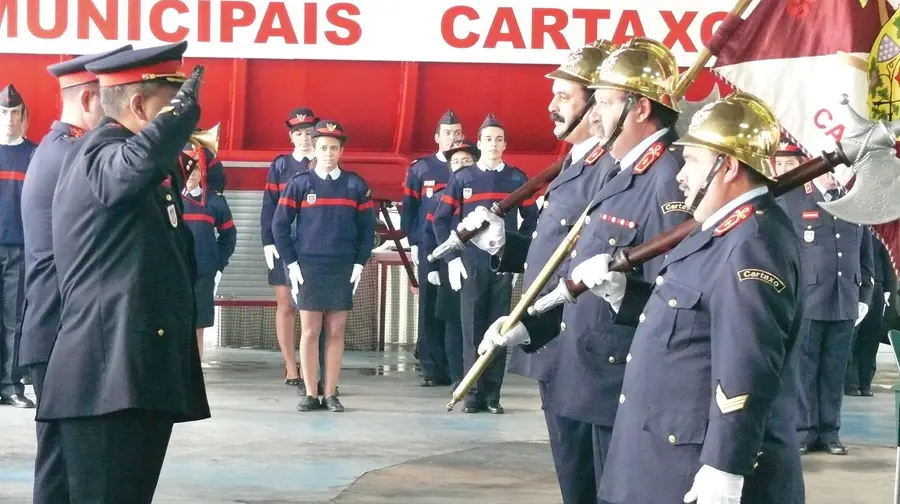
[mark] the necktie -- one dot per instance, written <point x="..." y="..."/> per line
<point x="614" y="170"/>
<point x="567" y="162"/>
<point x="833" y="194"/>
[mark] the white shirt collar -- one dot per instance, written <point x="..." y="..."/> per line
<point x="299" y="156"/>
<point x="733" y="204"/>
<point x="333" y="174"/>
<point x="486" y="168"/>
<point x="17" y="141"/>
<point x="440" y="156"/>
<point x="632" y="156"/>
<point x="196" y="192"/>
<point x="823" y="190"/>
<point x="580" y="150"/>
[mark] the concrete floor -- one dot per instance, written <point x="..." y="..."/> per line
<point x="397" y="444"/>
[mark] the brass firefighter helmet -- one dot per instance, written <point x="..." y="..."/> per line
<point x="582" y="64"/>
<point x="739" y="125"/>
<point x="641" y="66"/>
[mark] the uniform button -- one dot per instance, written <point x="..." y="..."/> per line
<point x="574" y="254"/>
<point x="673" y="303"/>
<point x="659" y="280"/>
<point x="612" y="241"/>
<point x="642" y="318"/>
<point x="612" y="359"/>
<point x="808" y="227"/>
<point x="160" y="332"/>
<point x="587" y="220"/>
<point x="840" y="254"/>
<point x="837" y="235"/>
<point x="621" y="398"/>
<point x="562" y="326"/>
<point x="672" y="438"/>
<point x="628" y="358"/>
<point x="546" y="205"/>
<point x="525" y="266"/>
<point x="168" y="197"/>
<point x="562" y="222"/>
<point x="839" y="273"/>
<point x="534" y="235"/>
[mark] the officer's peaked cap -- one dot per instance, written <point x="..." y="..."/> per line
<point x="73" y="72"/>
<point x="141" y="65"/>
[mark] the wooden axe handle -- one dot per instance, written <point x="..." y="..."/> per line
<point x="626" y="260"/>
<point x="516" y="198"/>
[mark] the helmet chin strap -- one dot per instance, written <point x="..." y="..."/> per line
<point x="630" y="100"/>
<point x="578" y="119"/>
<point x="720" y="160"/>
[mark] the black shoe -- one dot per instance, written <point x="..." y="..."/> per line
<point x="333" y="404"/>
<point x="473" y="406"/>
<point x="309" y="403"/>
<point x="495" y="408"/>
<point x="804" y="448"/>
<point x="435" y="382"/>
<point x="17" y="400"/>
<point x="866" y="392"/>
<point x="852" y="393"/>
<point x="834" y="448"/>
<point x="293" y="382"/>
<point x="301" y="388"/>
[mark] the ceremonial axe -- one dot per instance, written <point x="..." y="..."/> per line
<point x="867" y="147"/>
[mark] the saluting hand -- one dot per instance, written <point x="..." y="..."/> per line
<point x="189" y="94"/>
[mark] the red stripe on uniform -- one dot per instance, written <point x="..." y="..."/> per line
<point x="228" y="225"/>
<point x="365" y="206"/>
<point x="450" y="201"/>
<point x="273" y="187"/>
<point x="199" y="217"/>
<point x="429" y="217"/>
<point x="12" y="175"/>
<point x="409" y="192"/>
<point x="329" y="202"/>
<point x="438" y="187"/>
<point x="287" y="202"/>
<point x="488" y="196"/>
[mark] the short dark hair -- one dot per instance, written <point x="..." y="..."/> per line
<point x="114" y="99"/>
<point x="74" y="92"/>
<point x="663" y="116"/>
<point x="753" y="176"/>
<point x="501" y="128"/>
<point x="437" y="129"/>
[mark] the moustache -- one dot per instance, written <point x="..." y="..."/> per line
<point x="684" y="188"/>
<point x="555" y="117"/>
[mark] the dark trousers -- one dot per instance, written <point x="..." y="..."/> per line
<point x="579" y="451"/>
<point x="432" y="351"/>
<point x="453" y="348"/>
<point x="484" y="298"/>
<point x="116" y="458"/>
<point x="12" y="283"/>
<point x="50" y="484"/>
<point x="826" y="353"/>
<point x="869" y="334"/>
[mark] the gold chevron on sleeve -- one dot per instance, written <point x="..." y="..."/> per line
<point x="730" y="404"/>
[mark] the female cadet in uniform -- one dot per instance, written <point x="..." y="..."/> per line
<point x="299" y="124"/>
<point x="207" y="215"/>
<point x="335" y="234"/>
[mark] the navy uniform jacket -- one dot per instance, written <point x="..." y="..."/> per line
<point x="471" y="187"/>
<point x="837" y="257"/>
<point x="710" y="379"/>
<point x="283" y="168"/>
<point x="565" y="199"/>
<point x="125" y="263"/>
<point x="40" y="317"/>
<point x="425" y="178"/>
<point x="634" y="206"/>
<point x="14" y="161"/>
<point x="447" y="304"/>
<point x="335" y="220"/>
<point x="213" y="229"/>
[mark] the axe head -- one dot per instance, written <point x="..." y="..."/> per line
<point x="869" y="147"/>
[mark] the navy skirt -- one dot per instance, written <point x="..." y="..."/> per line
<point x="278" y="274"/>
<point x="204" y="288"/>
<point x="326" y="287"/>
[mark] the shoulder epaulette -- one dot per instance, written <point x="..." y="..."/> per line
<point x="595" y="154"/>
<point x="649" y="157"/>
<point x="736" y="217"/>
<point x="808" y="187"/>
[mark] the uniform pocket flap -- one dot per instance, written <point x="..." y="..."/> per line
<point x="677" y="427"/>
<point x="677" y="295"/>
<point x="615" y="234"/>
<point x="559" y="213"/>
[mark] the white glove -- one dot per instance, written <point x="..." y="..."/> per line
<point x="457" y="272"/>
<point x="271" y="254"/>
<point x="414" y="252"/>
<point x="595" y="275"/>
<point x="712" y="486"/>
<point x="863" y="310"/>
<point x="518" y="335"/>
<point x="887" y="299"/>
<point x="514" y="280"/>
<point x="434" y="278"/>
<point x="492" y="239"/>
<point x="296" y="279"/>
<point x="218" y="278"/>
<point x="355" y="275"/>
